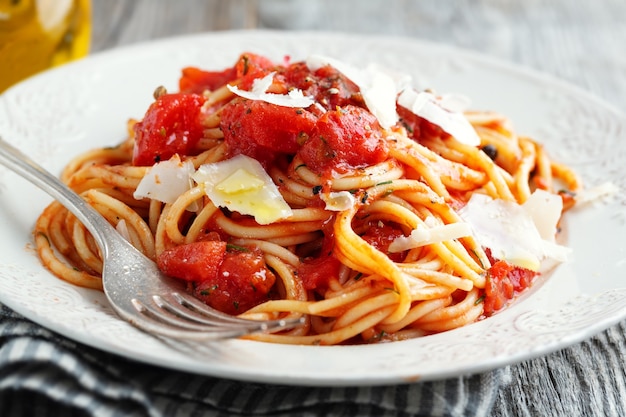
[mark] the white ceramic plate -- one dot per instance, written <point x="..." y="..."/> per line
<point x="62" y="112"/>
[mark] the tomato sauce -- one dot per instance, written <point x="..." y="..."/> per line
<point x="316" y="272"/>
<point x="380" y="236"/>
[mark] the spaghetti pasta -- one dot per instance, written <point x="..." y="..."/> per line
<point x="375" y="246"/>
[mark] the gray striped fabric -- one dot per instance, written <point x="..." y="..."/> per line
<point x="44" y="374"/>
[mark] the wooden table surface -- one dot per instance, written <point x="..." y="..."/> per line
<point x="580" y="42"/>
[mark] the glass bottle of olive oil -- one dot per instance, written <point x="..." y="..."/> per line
<point x="38" y="34"/>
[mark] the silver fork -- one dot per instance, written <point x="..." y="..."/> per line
<point x="133" y="284"/>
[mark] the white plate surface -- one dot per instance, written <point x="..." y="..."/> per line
<point x="62" y="112"/>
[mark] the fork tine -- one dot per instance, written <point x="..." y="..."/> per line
<point x="212" y="314"/>
<point x="171" y="318"/>
<point x="178" y="310"/>
<point x="158" y="327"/>
<point x="163" y="323"/>
<point x="159" y="313"/>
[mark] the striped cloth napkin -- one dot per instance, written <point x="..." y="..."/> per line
<point x="45" y="374"/>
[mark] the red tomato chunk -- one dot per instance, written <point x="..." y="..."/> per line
<point x="170" y="126"/>
<point x="329" y="87"/>
<point x="344" y="139"/>
<point x="260" y="130"/>
<point x="230" y="281"/>
<point x="195" y="80"/>
<point x="197" y="261"/>
<point x="250" y="66"/>
<point x="504" y="281"/>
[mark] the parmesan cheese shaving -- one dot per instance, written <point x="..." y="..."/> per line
<point x="338" y="201"/>
<point x="242" y="185"/>
<point x="380" y="94"/>
<point x="544" y="209"/>
<point x="455" y="103"/>
<point x="295" y="97"/>
<point x="166" y="181"/>
<point x="240" y="181"/>
<point x="597" y="193"/>
<point x="429" y="107"/>
<point x="514" y="232"/>
<point x="425" y="235"/>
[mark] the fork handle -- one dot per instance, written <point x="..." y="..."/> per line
<point x="23" y="165"/>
